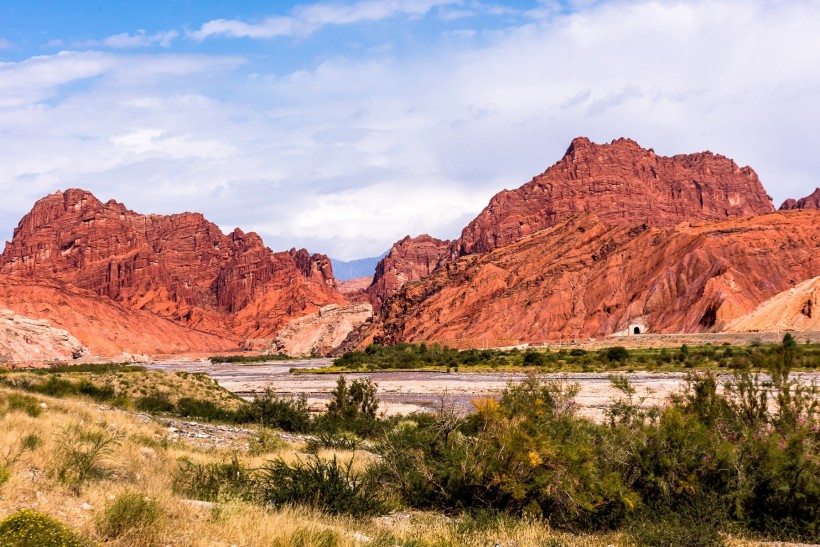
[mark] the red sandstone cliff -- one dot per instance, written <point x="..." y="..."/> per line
<point x="623" y="184"/>
<point x="584" y="278"/>
<point x="812" y="201"/>
<point x="180" y="267"/>
<point x="408" y="260"/>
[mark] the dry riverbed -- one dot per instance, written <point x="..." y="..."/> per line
<point x="404" y="392"/>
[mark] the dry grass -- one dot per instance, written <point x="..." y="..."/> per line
<point x="145" y="460"/>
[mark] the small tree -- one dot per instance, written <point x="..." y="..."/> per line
<point x="354" y="402"/>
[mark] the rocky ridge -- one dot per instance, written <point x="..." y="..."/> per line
<point x="179" y="267"/>
<point x="408" y="260"/>
<point x="620" y="182"/>
<point x="105" y="327"/>
<point x="812" y="201"/>
<point x="584" y="278"/>
<point x="321" y="332"/>
<point x="623" y="185"/>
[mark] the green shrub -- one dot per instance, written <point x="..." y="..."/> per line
<point x="214" y="481"/>
<point x="667" y="531"/>
<point x="189" y="407"/>
<point x="269" y="410"/>
<point x="534" y="358"/>
<point x="24" y="403"/>
<point x="617" y="353"/>
<point x="154" y="402"/>
<point x="80" y="453"/>
<point x="28" y="528"/>
<point x="128" y="513"/>
<point x="265" y="443"/>
<point x="333" y="441"/>
<point x="5" y="474"/>
<point x="325" y="485"/>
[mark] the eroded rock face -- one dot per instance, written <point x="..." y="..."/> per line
<point x="322" y="331"/>
<point x="812" y="201"/>
<point x="105" y="327"/>
<point x="180" y="267"/>
<point x="795" y="309"/>
<point x="624" y="185"/>
<point x="583" y="278"/>
<point x="621" y="183"/>
<point x="408" y="260"/>
<point x="24" y="339"/>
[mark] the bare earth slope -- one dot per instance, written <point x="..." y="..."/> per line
<point x="584" y="278"/>
<point x="180" y="267"/>
<point x="105" y="327"/>
<point x="796" y="309"/>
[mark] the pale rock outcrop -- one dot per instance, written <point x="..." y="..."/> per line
<point x="25" y="339"/>
<point x="320" y="332"/>
<point x="795" y="309"/>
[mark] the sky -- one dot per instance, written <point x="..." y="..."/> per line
<point x="342" y="126"/>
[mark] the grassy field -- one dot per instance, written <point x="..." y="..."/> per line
<point x="402" y="357"/>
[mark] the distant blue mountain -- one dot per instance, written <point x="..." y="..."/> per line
<point x="361" y="267"/>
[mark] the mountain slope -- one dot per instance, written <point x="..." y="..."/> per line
<point x="584" y="278"/>
<point x="105" y="327"/>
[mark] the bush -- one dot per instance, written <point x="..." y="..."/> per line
<point x="269" y="410"/>
<point x="155" y="402"/>
<point x="333" y="441"/>
<point x="214" y="481"/>
<point x="129" y="513"/>
<point x="325" y="485"/>
<point x="80" y="453"/>
<point x="24" y="403"/>
<point x="534" y="358"/>
<point x="265" y="443"/>
<point x="189" y="407"/>
<point x="617" y="353"/>
<point x="652" y="531"/>
<point x="31" y="529"/>
<point x="5" y="474"/>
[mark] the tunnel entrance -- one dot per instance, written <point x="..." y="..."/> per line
<point x="637" y="330"/>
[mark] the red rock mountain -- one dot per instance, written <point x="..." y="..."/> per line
<point x="583" y="277"/>
<point x="179" y="267"/>
<point x="408" y="260"/>
<point x="812" y="201"/>
<point x="622" y="184"/>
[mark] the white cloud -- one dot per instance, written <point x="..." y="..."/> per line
<point x="347" y="156"/>
<point x="5" y="44"/>
<point x="139" y="39"/>
<point x="307" y="19"/>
